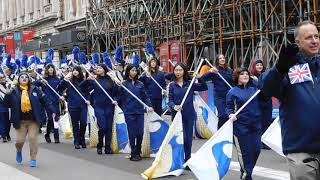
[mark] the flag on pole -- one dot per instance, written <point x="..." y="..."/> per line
<point x="155" y="130"/>
<point x="212" y="160"/>
<point x="170" y="157"/>
<point x="207" y="122"/>
<point x="91" y="118"/>
<point x="272" y="137"/>
<point x="119" y="133"/>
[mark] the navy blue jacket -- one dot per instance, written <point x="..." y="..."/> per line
<point x="38" y="101"/>
<point x="153" y="90"/>
<point x="169" y="76"/>
<point x="220" y="87"/>
<point x="299" y="107"/>
<point x="248" y="120"/>
<point x="128" y="103"/>
<point x="53" y="82"/>
<point x="176" y="94"/>
<point x="3" y="106"/>
<point x="75" y="102"/>
<point x="100" y="99"/>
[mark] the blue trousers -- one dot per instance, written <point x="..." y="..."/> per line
<point x="220" y="103"/>
<point x="79" y="124"/>
<point x="4" y="124"/>
<point x="105" y="122"/>
<point x="135" y="123"/>
<point x="157" y="106"/>
<point x="248" y="149"/>
<point x="50" y="124"/>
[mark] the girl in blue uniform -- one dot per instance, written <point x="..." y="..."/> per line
<point x="220" y="87"/>
<point x="177" y="90"/>
<point x="76" y="105"/>
<point x="103" y="106"/>
<point x="134" y="110"/>
<point x="153" y="90"/>
<point x="247" y="127"/>
<point x="265" y="101"/>
<point x="4" y="111"/>
<point x="50" y="78"/>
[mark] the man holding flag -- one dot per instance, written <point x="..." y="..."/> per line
<point x="294" y="81"/>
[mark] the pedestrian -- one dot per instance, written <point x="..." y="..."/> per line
<point x="134" y="110"/>
<point x="77" y="106"/>
<point x="220" y="87"/>
<point x="177" y="90"/>
<point x="153" y="90"/>
<point x="103" y="106"/>
<point x="299" y="96"/>
<point x="50" y="79"/>
<point x="26" y="101"/>
<point x="5" y="123"/>
<point x="247" y="127"/>
<point x="265" y="101"/>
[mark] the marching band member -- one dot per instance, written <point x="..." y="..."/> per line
<point x="5" y="123"/>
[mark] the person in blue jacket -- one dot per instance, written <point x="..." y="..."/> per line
<point x="247" y="126"/>
<point x="133" y="110"/>
<point x="4" y="112"/>
<point x="153" y="90"/>
<point x="177" y="90"/>
<point x="265" y="101"/>
<point x="77" y="106"/>
<point x="103" y="106"/>
<point x="299" y="98"/>
<point x="26" y="102"/>
<point x="220" y="87"/>
<point x="50" y="78"/>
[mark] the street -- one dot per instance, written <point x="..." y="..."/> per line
<point x="63" y="162"/>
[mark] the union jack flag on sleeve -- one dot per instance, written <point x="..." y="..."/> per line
<point x="300" y="73"/>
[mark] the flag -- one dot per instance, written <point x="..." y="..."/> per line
<point x="300" y="73"/>
<point x="91" y="118"/>
<point x="212" y="160"/>
<point x="65" y="125"/>
<point x="170" y="157"/>
<point x="155" y="130"/>
<point x="207" y="122"/>
<point x="120" y="137"/>
<point x="272" y="137"/>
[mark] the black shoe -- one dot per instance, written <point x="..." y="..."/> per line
<point x="135" y="158"/>
<point x="187" y="168"/>
<point x="8" y="138"/>
<point x="56" y="141"/>
<point x="83" y="144"/>
<point x="99" y="151"/>
<point x="77" y="146"/>
<point x="4" y="140"/>
<point x="108" y="151"/>
<point x="47" y="137"/>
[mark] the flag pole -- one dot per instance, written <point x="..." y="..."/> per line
<point x="144" y="69"/>
<point x="47" y="84"/>
<point x="219" y="73"/>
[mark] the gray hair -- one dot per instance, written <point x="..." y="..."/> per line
<point x="300" y="24"/>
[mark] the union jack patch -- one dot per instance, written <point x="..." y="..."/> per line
<point x="300" y="73"/>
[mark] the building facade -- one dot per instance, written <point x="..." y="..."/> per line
<point x="33" y="26"/>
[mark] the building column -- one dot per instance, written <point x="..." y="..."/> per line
<point x="71" y="9"/>
<point x="35" y="9"/>
<point x="10" y="13"/>
<point x="19" y="11"/>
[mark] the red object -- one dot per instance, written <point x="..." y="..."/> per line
<point x="170" y="51"/>
<point x="26" y="36"/>
<point x="164" y="56"/>
<point x="9" y="41"/>
<point x="1" y="40"/>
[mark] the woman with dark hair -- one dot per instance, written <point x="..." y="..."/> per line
<point x="220" y="87"/>
<point x="26" y="102"/>
<point x="50" y="78"/>
<point x="177" y="90"/>
<point x="77" y="106"/>
<point x="103" y="106"/>
<point x="133" y="110"/>
<point x="247" y="127"/>
<point x="5" y="123"/>
<point x="265" y="101"/>
<point x="153" y="90"/>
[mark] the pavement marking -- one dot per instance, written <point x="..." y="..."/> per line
<point x="10" y="173"/>
<point x="263" y="172"/>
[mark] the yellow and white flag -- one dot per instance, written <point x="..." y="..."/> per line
<point x="120" y="140"/>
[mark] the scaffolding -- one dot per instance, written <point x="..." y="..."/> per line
<point x="243" y="30"/>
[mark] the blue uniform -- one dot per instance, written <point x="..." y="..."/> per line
<point x="299" y="107"/>
<point x="54" y="99"/>
<point x="4" y="117"/>
<point x="103" y="107"/>
<point x="247" y="127"/>
<point x="134" y="112"/>
<point x="220" y="91"/>
<point x="153" y="90"/>
<point x="77" y="109"/>
<point x="176" y="94"/>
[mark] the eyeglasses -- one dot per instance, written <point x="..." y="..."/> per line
<point x="24" y="77"/>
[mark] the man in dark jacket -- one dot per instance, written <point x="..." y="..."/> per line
<point x="299" y="97"/>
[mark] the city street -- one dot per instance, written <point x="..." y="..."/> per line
<point x="63" y="162"/>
